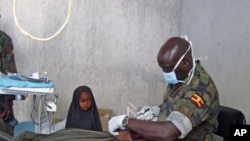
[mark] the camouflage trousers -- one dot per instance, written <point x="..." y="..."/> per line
<point x="6" y="128"/>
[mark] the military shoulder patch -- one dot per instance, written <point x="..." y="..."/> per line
<point x="197" y="100"/>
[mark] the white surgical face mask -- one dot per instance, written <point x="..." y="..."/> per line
<point x="170" y="77"/>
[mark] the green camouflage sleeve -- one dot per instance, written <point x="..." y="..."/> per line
<point x="7" y="63"/>
<point x="7" y="60"/>
<point x="197" y="106"/>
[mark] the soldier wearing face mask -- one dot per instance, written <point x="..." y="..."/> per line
<point x="190" y="106"/>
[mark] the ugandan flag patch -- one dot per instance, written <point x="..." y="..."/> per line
<point x="197" y="100"/>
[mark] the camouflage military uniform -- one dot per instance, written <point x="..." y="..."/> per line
<point x="7" y="64"/>
<point x="198" y="101"/>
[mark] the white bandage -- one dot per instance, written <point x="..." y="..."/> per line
<point x="181" y="122"/>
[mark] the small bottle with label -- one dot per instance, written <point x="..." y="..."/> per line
<point x="44" y="76"/>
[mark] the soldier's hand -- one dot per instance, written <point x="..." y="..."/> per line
<point x="7" y="109"/>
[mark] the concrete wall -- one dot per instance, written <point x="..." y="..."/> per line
<point x="109" y="45"/>
<point x="220" y="30"/>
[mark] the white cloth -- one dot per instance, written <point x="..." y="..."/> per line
<point x="148" y="113"/>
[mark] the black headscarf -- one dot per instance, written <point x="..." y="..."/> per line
<point x="77" y="118"/>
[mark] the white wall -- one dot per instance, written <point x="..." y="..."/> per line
<point x="220" y="29"/>
<point x="109" y="45"/>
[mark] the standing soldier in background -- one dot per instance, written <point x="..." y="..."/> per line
<point x="7" y="64"/>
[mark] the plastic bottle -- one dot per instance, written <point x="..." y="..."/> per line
<point x="44" y="76"/>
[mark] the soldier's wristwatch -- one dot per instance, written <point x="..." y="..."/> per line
<point x="125" y="121"/>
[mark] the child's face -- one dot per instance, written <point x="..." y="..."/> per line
<point x="84" y="101"/>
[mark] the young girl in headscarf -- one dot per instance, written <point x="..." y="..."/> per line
<point x="83" y="111"/>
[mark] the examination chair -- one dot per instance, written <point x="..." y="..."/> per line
<point x="5" y="137"/>
<point x="228" y="116"/>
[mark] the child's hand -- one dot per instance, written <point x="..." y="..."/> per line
<point x="124" y="135"/>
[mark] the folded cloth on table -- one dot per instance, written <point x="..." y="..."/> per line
<point x="21" y="82"/>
